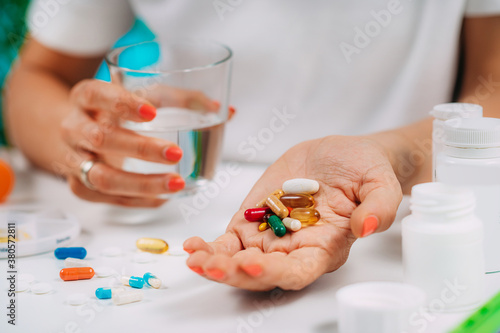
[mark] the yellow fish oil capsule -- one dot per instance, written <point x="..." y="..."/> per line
<point x="278" y="193"/>
<point x="277" y="206"/>
<point x="263" y="226"/>
<point x="298" y="200"/>
<point x="306" y="215"/>
<point x="152" y="245"/>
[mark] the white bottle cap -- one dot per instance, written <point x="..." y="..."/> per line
<point x="456" y="110"/>
<point x="378" y="307"/>
<point x="439" y="198"/>
<point x="465" y="136"/>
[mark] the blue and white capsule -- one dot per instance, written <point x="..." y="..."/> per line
<point x="152" y="281"/>
<point x="70" y="252"/>
<point x="107" y="293"/>
<point x="133" y="281"/>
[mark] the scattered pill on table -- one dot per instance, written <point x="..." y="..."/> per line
<point x="77" y="299"/>
<point x="152" y="245"/>
<point x="152" y="281"/>
<point x="22" y="286"/>
<point x="132" y="281"/>
<point x="127" y="297"/>
<point x="73" y="262"/>
<point x="70" y="252"/>
<point x="76" y="273"/>
<point x="107" y="293"/>
<point x="41" y="288"/>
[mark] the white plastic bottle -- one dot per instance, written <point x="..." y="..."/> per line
<point x="443" y="112"/>
<point x="442" y="247"/>
<point x="471" y="158"/>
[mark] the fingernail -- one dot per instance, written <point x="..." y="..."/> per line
<point x="253" y="270"/>
<point x="232" y="110"/>
<point x="147" y="111"/>
<point x="215" y="273"/>
<point x="196" y="269"/>
<point x="369" y="225"/>
<point x="176" y="184"/>
<point x="188" y="251"/>
<point x="173" y="154"/>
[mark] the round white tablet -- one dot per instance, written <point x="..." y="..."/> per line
<point x="22" y="286"/>
<point x="77" y="299"/>
<point x="103" y="272"/>
<point x="26" y="277"/>
<point x="41" y="288"/>
<point x="111" y="251"/>
<point x="143" y="258"/>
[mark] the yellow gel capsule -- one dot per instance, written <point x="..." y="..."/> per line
<point x="276" y="206"/>
<point x="306" y="215"/>
<point x="298" y="200"/>
<point x="278" y="193"/>
<point x="152" y="245"/>
<point x="263" y="226"/>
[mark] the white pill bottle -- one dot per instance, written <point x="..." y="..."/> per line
<point x="443" y="247"/>
<point x="471" y="158"/>
<point x="447" y="111"/>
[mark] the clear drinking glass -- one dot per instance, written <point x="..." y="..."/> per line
<point x="162" y="72"/>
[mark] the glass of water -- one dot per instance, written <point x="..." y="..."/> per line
<point x="162" y="72"/>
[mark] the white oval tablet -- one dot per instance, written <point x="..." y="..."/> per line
<point x="300" y="186"/>
<point x="77" y="299"/>
<point x="111" y="251"/>
<point x="143" y="258"/>
<point x="103" y="272"/>
<point x="22" y="286"/>
<point x="41" y="288"/>
<point x="26" y="277"/>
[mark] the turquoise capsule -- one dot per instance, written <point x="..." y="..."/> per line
<point x="277" y="226"/>
<point x="70" y="252"/>
<point x="133" y="281"/>
<point x="107" y="293"/>
<point x="152" y="280"/>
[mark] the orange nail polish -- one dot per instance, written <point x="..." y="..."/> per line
<point x="369" y="225"/>
<point x="176" y="184"/>
<point x="173" y="154"/>
<point x="189" y="251"/>
<point x="196" y="269"/>
<point x="253" y="270"/>
<point x="147" y="111"/>
<point x="215" y="273"/>
<point x="232" y="110"/>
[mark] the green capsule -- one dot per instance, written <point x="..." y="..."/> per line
<point x="277" y="226"/>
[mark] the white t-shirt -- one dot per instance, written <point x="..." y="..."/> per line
<point x="316" y="67"/>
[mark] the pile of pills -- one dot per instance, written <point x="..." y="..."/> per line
<point x="288" y="208"/>
<point x="77" y="268"/>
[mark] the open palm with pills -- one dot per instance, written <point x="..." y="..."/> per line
<point x="359" y="194"/>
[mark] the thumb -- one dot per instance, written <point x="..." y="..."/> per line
<point x="377" y="210"/>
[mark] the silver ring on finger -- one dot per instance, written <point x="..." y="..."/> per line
<point x="84" y="174"/>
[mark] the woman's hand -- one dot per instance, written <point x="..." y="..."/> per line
<point x="359" y="194"/>
<point x="92" y="131"/>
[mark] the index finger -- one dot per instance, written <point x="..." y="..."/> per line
<point x="107" y="97"/>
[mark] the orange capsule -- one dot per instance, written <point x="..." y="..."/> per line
<point x="76" y="273"/>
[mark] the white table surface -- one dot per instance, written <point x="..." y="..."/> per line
<point x="187" y="302"/>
